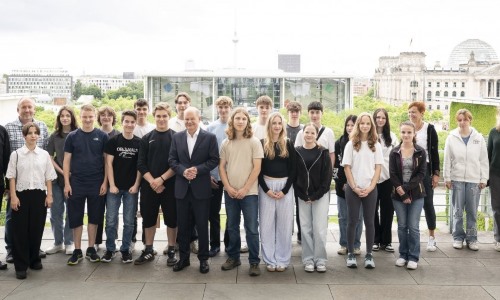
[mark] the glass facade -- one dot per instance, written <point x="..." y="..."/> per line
<point x="334" y="93"/>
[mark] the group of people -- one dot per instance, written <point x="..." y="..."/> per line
<point x="262" y="169"/>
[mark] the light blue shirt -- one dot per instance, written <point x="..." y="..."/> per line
<point x="219" y="129"/>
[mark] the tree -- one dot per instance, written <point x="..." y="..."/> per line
<point x="133" y="90"/>
<point x="77" y="90"/>
<point x="93" y="90"/>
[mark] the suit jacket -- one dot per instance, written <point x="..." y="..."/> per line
<point x="205" y="157"/>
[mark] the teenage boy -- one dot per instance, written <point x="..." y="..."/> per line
<point x="157" y="186"/>
<point x="294" y="110"/>
<point x="182" y="102"/>
<point x="326" y="137"/>
<point x="193" y="154"/>
<point x="224" y="105"/>
<point x="84" y="160"/>
<point x="240" y="161"/>
<point x="264" y="106"/>
<point x="121" y="162"/>
<point x="142" y="127"/>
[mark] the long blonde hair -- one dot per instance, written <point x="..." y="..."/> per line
<point x="268" y="141"/>
<point x="355" y="135"/>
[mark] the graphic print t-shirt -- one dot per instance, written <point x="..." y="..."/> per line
<point x="125" y="154"/>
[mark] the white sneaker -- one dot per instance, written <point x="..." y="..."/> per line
<point x="271" y="268"/>
<point x="351" y="261"/>
<point x="400" y="262"/>
<point x="497" y="246"/>
<point x="320" y="268"/>
<point x="473" y="246"/>
<point x="412" y="265"/>
<point x="309" y="268"/>
<point x="244" y="248"/>
<point x="458" y="244"/>
<point x="431" y="244"/>
<point x="69" y="249"/>
<point x="369" y="262"/>
<point x="131" y="247"/>
<point x="342" y="250"/>
<point x="357" y="251"/>
<point x="55" y="248"/>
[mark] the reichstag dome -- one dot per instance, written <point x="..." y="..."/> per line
<point x="461" y="53"/>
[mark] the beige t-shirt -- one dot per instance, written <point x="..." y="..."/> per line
<point x="239" y="156"/>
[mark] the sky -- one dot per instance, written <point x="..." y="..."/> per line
<point x="345" y="37"/>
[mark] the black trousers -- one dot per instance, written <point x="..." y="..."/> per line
<point x="299" y="235"/>
<point x="100" y="228"/>
<point x="192" y="211"/>
<point x="27" y="228"/>
<point x="383" y="224"/>
<point x="214" y="217"/>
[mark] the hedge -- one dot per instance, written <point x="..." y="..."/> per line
<point x="483" y="116"/>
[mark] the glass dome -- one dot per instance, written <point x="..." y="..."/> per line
<point x="461" y="53"/>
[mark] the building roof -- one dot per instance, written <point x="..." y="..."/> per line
<point x="462" y="52"/>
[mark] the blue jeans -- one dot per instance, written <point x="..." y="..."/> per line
<point x="60" y="228"/>
<point x="465" y="195"/>
<point x="113" y="202"/>
<point x="250" y="208"/>
<point x="408" y="228"/>
<point x="342" y="207"/>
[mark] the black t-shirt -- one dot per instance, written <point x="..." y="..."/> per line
<point x="126" y="153"/>
<point x="153" y="154"/>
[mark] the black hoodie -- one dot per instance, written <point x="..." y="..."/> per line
<point x="313" y="183"/>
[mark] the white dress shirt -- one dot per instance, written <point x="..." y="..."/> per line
<point x="191" y="140"/>
<point x="31" y="169"/>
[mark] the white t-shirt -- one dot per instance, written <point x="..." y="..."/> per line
<point x="259" y="131"/>
<point x="141" y="131"/>
<point x="422" y="138"/>
<point x="327" y="139"/>
<point x="176" y="124"/>
<point x="362" y="162"/>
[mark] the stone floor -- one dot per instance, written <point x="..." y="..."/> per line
<point x="444" y="274"/>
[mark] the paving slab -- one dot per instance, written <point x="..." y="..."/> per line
<point x="456" y="275"/>
<point x="267" y="291"/>
<point x="7" y="287"/>
<point x="359" y="276"/>
<point x="79" y="290"/>
<point x="494" y="291"/>
<point x="407" y="292"/>
<point x="172" y="291"/>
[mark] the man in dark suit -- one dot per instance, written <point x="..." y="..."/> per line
<point x="193" y="154"/>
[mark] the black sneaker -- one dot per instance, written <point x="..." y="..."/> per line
<point x="91" y="255"/>
<point x="171" y="260"/>
<point x="108" y="256"/>
<point x="145" y="257"/>
<point x="76" y="257"/>
<point x="126" y="257"/>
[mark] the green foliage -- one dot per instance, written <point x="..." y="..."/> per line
<point x="93" y="90"/>
<point x="46" y="116"/>
<point x="132" y="90"/>
<point x="481" y="222"/>
<point x="483" y="116"/>
<point x="77" y="90"/>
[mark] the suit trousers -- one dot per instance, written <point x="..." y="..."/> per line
<point x="192" y="211"/>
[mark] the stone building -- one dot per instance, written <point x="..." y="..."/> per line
<point x="472" y="72"/>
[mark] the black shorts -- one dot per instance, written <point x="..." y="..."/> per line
<point x="76" y="205"/>
<point x="150" y="206"/>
